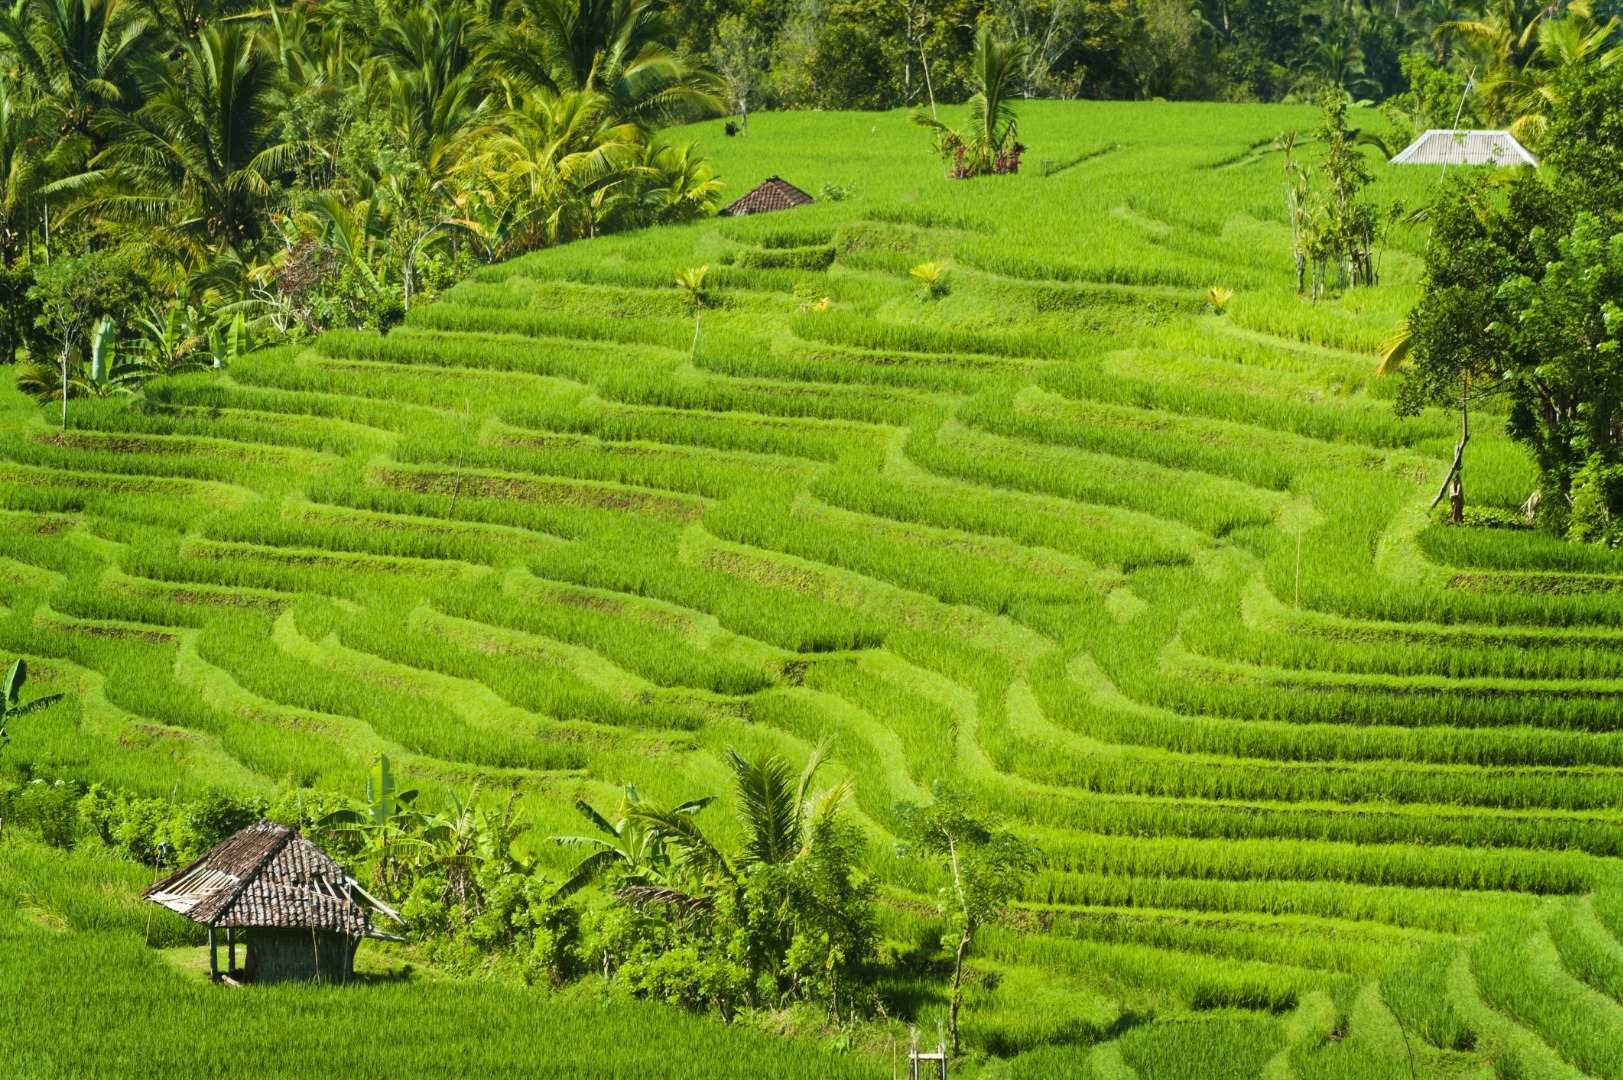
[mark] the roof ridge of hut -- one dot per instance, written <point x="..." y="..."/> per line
<point x="773" y="193"/>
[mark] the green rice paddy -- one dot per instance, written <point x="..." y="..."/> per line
<point x="1324" y="788"/>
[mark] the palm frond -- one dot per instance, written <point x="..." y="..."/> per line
<point x="585" y="872"/>
<point x="1395" y="349"/>
<point x="684" y="835"/>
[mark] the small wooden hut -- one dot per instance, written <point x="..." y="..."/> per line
<point x="293" y="906"/>
<point x="773" y="193"/>
<point x="1441" y="146"/>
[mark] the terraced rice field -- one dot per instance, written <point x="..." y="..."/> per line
<point x="1320" y="784"/>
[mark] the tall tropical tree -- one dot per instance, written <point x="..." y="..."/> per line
<point x="196" y="164"/>
<point x="83" y="58"/>
<point x="623" y="49"/>
<point x="986" y="867"/>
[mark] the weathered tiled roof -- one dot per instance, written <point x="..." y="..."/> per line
<point x="773" y="193"/>
<point x="1441" y="146"/>
<point x="268" y="875"/>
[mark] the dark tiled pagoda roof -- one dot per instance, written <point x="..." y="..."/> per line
<point x="268" y="875"/>
<point x="773" y="193"/>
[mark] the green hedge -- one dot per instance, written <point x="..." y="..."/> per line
<point x="816" y="257"/>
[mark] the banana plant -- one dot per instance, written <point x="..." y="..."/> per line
<point x="382" y="824"/>
<point x="105" y="376"/>
<point x="230" y="342"/>
<point x="11" y="706"/>
<point x="462" y="843"/>
<point x="171" y="335"/>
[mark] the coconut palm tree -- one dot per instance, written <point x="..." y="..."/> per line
<point x="681" y="186"/>
<point x="984" y="144"/>
<point x="437" y="98"/>
<point x="195" y="166"/>
<point x="83" y="58"/>
<point x="30" y="159"/>
<point x="549" y="157"/>
<point x="774" y="807"/>
<point x="435" y="91"/>
<point x="1503" y="40"/>
<point x="622" y="49"/>
<point x="185" y="20"/>
<point x="1336" y="60"/>
<point x="1528" y="93"/>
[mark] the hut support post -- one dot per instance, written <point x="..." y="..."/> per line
<point x="214" y="957"/>
<point x="231" y="949"/>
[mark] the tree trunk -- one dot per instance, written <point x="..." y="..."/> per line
<point x="957" y="990"/>
<point x="64" y="361"/>
<point x="928" y="88"/>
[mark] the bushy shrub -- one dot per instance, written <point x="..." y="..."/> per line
<point x="51" y="806"/>
<point x="145" y="828"/>
<point x="691" y="977"/>
<point x="1595" y="488"/>
<point x="816" y="257"/>
<point x="1482" y="517"/>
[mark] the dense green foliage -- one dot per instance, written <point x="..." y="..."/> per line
<point x="1523" y="300"/>
<point x="213" y="175"/>
<point x="864" y="54"/>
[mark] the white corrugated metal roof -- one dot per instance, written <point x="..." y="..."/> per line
<point x="1441" y="146"/>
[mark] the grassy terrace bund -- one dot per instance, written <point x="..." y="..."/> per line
<point x="1160" y="584"/>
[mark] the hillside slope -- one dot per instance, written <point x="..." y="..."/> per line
<point x="1160" y="584"/>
